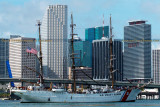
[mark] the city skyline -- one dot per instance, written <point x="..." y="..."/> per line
<point x="26" y="13"/>
<point x="79" y="51"/>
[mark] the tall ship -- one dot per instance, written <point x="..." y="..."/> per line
<point x="38" y="94"/>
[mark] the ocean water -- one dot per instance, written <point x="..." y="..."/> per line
<point x="137" y="103"/>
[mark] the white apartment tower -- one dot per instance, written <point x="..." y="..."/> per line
<point x="19" y="58"/>
<point x="54" y="41"/>
<point x="156" y="65"/>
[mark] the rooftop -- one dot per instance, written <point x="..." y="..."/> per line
<point x="136" y="22"/>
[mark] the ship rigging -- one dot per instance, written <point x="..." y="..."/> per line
<point x="62" y="96"/>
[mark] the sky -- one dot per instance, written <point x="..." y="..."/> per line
<point x="18" y="17"/>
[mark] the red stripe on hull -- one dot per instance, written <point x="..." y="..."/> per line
<point x="126" y="95"/>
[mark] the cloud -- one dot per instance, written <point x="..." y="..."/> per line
<point x="21" y="19"/>
<point x="86" y="6"/>
<point x="151" y="7"/>
<point x="155" y="45"/>
<point x="158" y="46"/>
<point x="5" y="34"/>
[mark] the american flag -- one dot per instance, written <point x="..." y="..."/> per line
<point x="54" y="86"/>
<point x="31" y="50"/>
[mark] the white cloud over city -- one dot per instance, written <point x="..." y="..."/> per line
<point x="21" y="18"/>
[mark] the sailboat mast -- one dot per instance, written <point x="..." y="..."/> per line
<point x="40" y="58"/>
<point x="103" y="25"/>
<point x="73" y="62"/>
<point x="111" y="54"/>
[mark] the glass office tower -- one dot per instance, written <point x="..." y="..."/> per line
<point x="137" y="51"/>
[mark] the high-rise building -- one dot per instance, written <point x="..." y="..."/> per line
<point x="99" y="32"/>
<point x="137" y="51"/>
<point x="14" y="36"/>
<point x="90" y="34"/>
<point x="101" y="59"/>
<point x="96" y="33"/>
<point x="4" y="56"/>
<point x="75" y="38"/>
<point x="83" y="53"/>
<point x="118" y="62"/>
<point x="156" y="66"/>
<point x="82" y="73"/>
<point x="19" y="58"/>
<point x="54" y="41"/>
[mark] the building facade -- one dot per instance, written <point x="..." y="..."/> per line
<point x="83" y="55"/>
<point x="101" y="59"/>
<point x="90" y="34"/>
<point x="96" y="33"/>
<point x="14" y="36"/>
<point x="19" y="58"/>
<point x="4" y="56"/>
<point x="54" y="47"/>
<point x="137" y="51"/>
<point x="156" y="66"/>
<point x="118" y="62"/>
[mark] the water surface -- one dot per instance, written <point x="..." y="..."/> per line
<point x="137" y="103"/>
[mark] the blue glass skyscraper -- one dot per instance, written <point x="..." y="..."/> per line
<point x="96" y="33"/>
<point x="89" y="34"/>
<point x="137" y="51"/>
<point x="83" y="56"/>
<point x="4" y="56"/>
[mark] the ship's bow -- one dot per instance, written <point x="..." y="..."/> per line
<point x="132" y="94"/>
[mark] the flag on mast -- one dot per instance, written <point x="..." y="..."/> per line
<point x="31" y="50"/>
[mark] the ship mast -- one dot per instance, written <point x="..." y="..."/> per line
<point x="40" y="57"/>
<point x="103" y="25"/>
<point x="72" y="55"/>
<point x="111" y="54"/>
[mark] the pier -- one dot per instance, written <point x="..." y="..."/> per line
<point x="148" y="95"/>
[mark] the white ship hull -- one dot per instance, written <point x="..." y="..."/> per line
<point x="63" y="97"/>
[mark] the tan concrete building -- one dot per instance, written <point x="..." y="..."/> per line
<point x="19" y="58"/>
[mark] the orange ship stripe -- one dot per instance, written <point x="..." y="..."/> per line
<point x="126" y="95"/>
